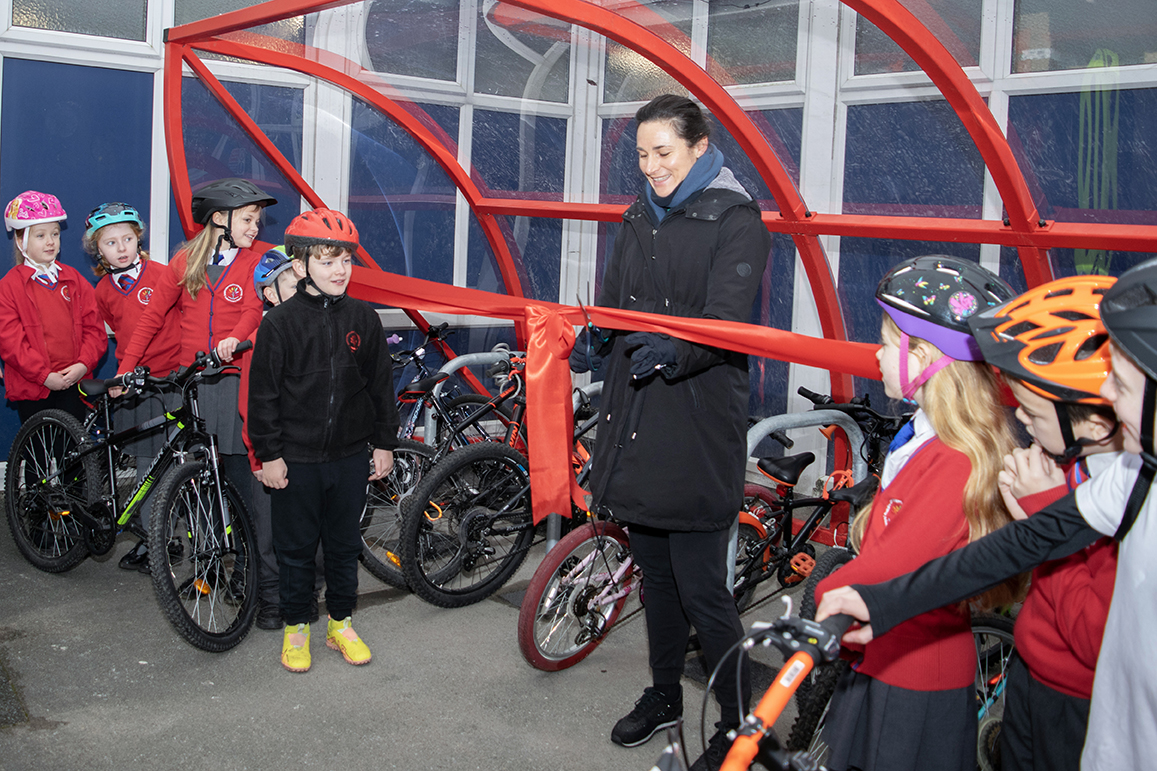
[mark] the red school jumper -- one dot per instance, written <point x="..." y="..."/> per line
<point x="24" y="322"/>
<point x="122" y="308"/>
<point x="1059" y="630"/>
<point x="917" y="518"/>
<point x="230" y="307"/>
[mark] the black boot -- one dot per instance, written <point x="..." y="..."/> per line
<point x="137" y="558"/>
<point x="653" y="712"/>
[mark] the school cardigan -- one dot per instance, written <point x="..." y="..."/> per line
<point x="229" y="307"/>
<point x="1060" y="627"/>
<point x="918" y="517"/>
<point x="22" y="345"/>
<point x="122" y="310"/>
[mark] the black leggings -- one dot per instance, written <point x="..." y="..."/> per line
<point x="67" y="400"/>
<point x="685" y="585"/>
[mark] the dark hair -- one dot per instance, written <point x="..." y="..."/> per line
<point x="1078" y="413"/>
<point x="690" y="123"/>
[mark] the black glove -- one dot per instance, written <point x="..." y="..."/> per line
<point x="585" y="356"/>
<point x="650" y="352"/>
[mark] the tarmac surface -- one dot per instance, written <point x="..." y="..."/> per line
<point x="92" y="676"/>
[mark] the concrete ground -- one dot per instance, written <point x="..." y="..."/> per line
<point x="93" y="677"/>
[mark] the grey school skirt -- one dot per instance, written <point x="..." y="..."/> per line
<point x="873" y="726"/>
<point x="134" y="410"/>
<point x="218" y="400"/>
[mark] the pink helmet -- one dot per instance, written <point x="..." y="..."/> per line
<point x="32" y="208"/>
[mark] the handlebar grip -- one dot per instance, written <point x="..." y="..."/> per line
<point x="813" y="397"/>
<point x="244" y="345"/>
<point x="783" y="439"/>
<point x="838" y="624"/>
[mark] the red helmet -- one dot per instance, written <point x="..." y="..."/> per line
<point x="324" y="227"/>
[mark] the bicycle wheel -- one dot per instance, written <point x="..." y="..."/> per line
<point x="993" y="634"/>
<point x="39" y="508"/>
<point x="491" y="428"/>
<point x="575" y="596"/>
<point x="469" y="526"/>
<point x="815" y="693"/>
<point x="204" y="574"/>
<point x="381" y="523"/>
<point x="750" y="564"/>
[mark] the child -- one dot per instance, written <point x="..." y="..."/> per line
<point x="1123" y="712"/>
<point x="275" y="281"/>
<point x="126" y="282"/>
<point x="1054" y="353"/>
<point x="212" y="289"/>
<point x="51" y="334"/>
<point x="909" y="700"/>
<point x="321" y="388"/>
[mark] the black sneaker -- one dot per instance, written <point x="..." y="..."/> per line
<point x="136" y="559"/>
<point x="715" y="751"/>
<point x="269" y="616"/>
<point x="652" y="713"/>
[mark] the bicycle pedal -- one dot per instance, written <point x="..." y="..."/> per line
<point x="803" y="564"/>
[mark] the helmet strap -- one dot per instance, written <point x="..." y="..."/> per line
<point x="226" y="235"/>
<point x="310" y="282"/>
<point x="1148" y="462"/>
<point x="1074" y="446"/>
<point x="909" y="388"/>
<point x="24" y="242"/>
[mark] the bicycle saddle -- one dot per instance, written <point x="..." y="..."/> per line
<point x="858" y="494"/>
<point x="92" y="388"/>
<point x="426" y="385"/>
<point x="786" y="470"/>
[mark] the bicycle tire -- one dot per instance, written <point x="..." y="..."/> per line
<point x="557" y="626"/>
<point x="749" y="567"/>
<point x="381" y="523"/>
<point x="993" y="634"/>
<point x="461" y="407"/>
<point x="38" y="515"/>
<point x="205" y="583"/>
<point x="458" y="557"/>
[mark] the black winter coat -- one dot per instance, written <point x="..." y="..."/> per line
<point x="321" y="382"/>
<point x="672" y="448"/>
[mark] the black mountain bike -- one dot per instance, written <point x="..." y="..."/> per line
<point x="64" y="502"/>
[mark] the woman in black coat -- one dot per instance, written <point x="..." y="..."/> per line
<point x="672" y="447"/>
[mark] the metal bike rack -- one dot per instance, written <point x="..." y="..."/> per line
<point x="455" y="364"/>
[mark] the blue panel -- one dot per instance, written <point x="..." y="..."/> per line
<point x="400" y="199"/>
<point x="216" y="147"/>
<point x="1088" y="157"/>
<point x="59" y="139"/>
<point x="911" y="158"/>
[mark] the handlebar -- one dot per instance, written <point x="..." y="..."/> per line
<point x="140" y="377"/>
<point x="858" y="408"/>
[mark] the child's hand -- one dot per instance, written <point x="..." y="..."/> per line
<point x="847" y="600"/>
<point x="383" y="463"/>
<point x="55" y="382"/>
<point x="65" y="378"/>
<point x="274" y="474"/>
<point x="226" y="347"/>
<point x="1030" y="471"/>
<point x="1004" y="481"/>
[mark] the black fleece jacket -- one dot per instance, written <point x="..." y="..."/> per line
<point x="321" y="383"/>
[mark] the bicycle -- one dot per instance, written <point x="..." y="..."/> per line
<point x="992" y="633"/>
<point x="62" y="505"/>
<point x="772" y="542"/>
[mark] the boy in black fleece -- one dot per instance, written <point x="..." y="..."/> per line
<point x="321" y="395"/>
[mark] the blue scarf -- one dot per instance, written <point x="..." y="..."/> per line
<point x="706" y="169"/>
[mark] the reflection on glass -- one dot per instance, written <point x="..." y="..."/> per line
<point x="955" y="23"/>
<point x="752" y="42"/>
<point x="521" y="54"/>
<point x="123" y="20"/>
<point x="413" y="37"/>
<point x="400" y="199"/>
<point x="630" y="77"/>
<point x="911" y="158"/>
<point x="1073" y="34"/>
<point x="188" y="11"/>
<point x="1087" y="157"/>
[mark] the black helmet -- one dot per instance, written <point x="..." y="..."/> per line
<point x="226" y="195"/>
<point x="932" y="296"/>
<point x="1129" y="312"/>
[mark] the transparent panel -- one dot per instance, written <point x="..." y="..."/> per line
<point x="401" y="200"/>
<point x="752" y="42"/>
<point x="1087" y="157"/>
<point x="1071" y="34"/>
<point x="773" y="307"/>
<point x="482" y="271"/>
<point x="413" y="37"/>
<point x="911" y="158"/>
<point x="863" y="262"/>
<point x="955" y="23"/>
<point x="187" y="11"/>
<point x="521" y="54"/>
<point x="630" y="77"/>
<point x="216" y="147"/>
<point x="124" y="20"/>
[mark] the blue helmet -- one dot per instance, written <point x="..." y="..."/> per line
<point x="110" y="214"/>
<point x="271" y="265"/>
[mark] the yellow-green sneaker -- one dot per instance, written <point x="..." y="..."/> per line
<point x="340" y="636"/>
<point x="295" y="648"/>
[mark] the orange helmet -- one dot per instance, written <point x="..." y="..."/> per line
<point x="1051" y="338"/>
